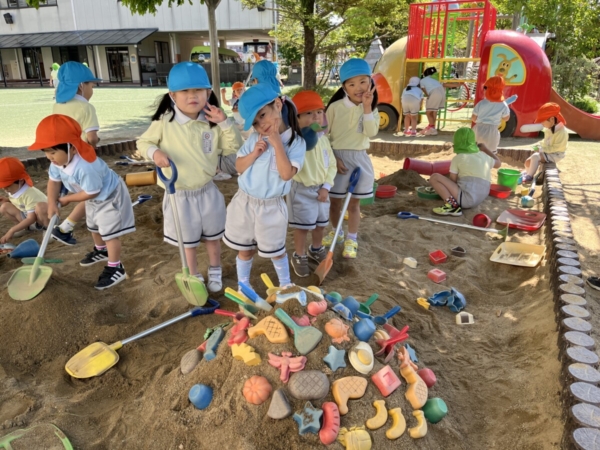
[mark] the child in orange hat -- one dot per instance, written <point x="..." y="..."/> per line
<point x="308" y="201"/>
<point x="108" y="209"/>
<point x="554" y="145"/>
<point x="26" y="206"/>
<point x="489" y="113"/>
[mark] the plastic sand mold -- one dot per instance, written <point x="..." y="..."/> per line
<point x="516" y="254"/>
<point x="522" y="220"/>
<point x="32" y="437"/>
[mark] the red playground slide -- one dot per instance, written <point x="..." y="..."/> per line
<point x="585" y="125"/>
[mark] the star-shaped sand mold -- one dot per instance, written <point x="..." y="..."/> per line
<point x="309" y="419"/>
<point x="335" y="358"/>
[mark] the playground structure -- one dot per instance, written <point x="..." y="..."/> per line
<point x="433" y="41"/>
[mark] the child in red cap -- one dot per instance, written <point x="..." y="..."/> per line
<point x="108" y="209"/>
<point x="489" y="113"/>
<point x="554" y="145"/>
<point x="26" y="206"/>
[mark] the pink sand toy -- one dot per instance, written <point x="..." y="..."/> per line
<point x="316" y="308"/>
<point x="387" y="346"/>
<point x="287" y="364"/>
<point x="238" y="332"/>
<point x="331" y="423"/>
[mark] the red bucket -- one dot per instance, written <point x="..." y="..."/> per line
<point x="481" y="220"/>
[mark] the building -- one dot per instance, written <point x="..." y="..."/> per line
<point x="118" y="46"/>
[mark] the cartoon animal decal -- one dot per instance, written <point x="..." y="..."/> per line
<point x="504" y="67"/>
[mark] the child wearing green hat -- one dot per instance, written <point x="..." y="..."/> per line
<point x="470" y="175"/>
<point x="353" y="120"/>
<point x="54" y="77"/>
<point x="73" y="92"/>
<point x="191" y="130"/>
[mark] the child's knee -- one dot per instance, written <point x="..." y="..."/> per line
<point x="354" y="205"/>
<point x="4" y="208"/>
<point x="246" y="255"/>
<point x="435" y="177"/>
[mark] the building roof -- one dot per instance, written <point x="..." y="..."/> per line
<point x="68" y="38"/>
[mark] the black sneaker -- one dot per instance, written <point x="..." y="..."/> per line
<point x="317" y="255"/>
<point x="594" y="283"/>
<point x="94" y="257"/>
<point x="300" y="265"/>
<point x="65" y="238"/>
<point x="110" y="277"/>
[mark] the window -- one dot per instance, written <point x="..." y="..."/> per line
<point x="17" y="4"/>
<point x="161" y="50"/>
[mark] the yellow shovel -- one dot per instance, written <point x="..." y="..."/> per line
<point x="27" y="282"/>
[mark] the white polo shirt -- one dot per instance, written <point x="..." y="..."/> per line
<point x="261" y="179"/>
<point x="429" y="84"/>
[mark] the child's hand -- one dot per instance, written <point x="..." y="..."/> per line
<point x="52" y="210"/>
<point x="273" y="134"/>
<point x="160" y="159"/>
<point x="260" y="147"/>
<point x="4" y="239"/>
<point x="214" y="114"/>
<point x="323" y="195"/>
<point x="3" y="199"/>
<point x="341" y="168"/>
<point x="223" y="91"/>
<point x="367" y="99"/>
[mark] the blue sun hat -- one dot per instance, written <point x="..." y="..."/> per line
<point x="70" y="75"/>
<point x="187" y="75"/>
<point x="353" y="68"/>
<point x="266" y="73"/>
<point x="253" y="100"/>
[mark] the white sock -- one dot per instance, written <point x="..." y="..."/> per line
<point x="67" y="226"/>
<point x="282" y="267"/>
<point x="243" y="269"/>
<point x="353" y="236"/>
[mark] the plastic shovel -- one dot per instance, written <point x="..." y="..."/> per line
<point x="27" y="282"/>
<point x="191" y="287"/>
<point x="382" y="320"/>
<point x="141" y="199"/>
<point x="253" y="296"/>
<point x="271" y="289"/>
<point x="365" y="307"/>
<point x="98" y="357"/>
<point x="248" y="310"/>
<point x="409" y="215"/>
<point x="326" y="265"/>
<point x="31" y="260"/>
<point x="305" y="338"/>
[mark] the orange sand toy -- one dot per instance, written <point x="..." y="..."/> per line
<point x="398" y="424"/>
<point x="381" y="416"/>
<point x="356" y="438"/>
<point x="338" y="331"/>
<point x="417" y="390"/>
<point x="421" y="429"/>
<point x="347" y="388"/>
<point x="246" y="353"/>
<point x="272" y="328"/>
<point x="257" y="390"/>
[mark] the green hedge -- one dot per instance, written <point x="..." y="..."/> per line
<point x="587" y="104"/>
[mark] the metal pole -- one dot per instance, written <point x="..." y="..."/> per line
<point x="2" y="69"/>
<point x="37" y="61"/>
<point x="137" y="52"/>
<point x="94" y="63"/>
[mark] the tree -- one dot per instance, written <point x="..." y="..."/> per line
<point x="322" y="27"/>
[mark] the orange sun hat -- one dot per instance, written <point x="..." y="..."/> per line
<point x="11" y="171"/>
<point x="307" y="101"/>
<point x="238" y="85"/>
<point x="549" y="110"/>
<point x="493" y="88"/>
<point x="58" y="129"/>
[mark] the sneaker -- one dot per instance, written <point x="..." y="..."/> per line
<point x="350" y="249"/>
<point x="20" y="233"/>
<point x="328" y="240"/>
<point x="110" y="277"/>
<point x="93" y="257"/>
<point x="430" y="131"/>
<point x="526" y="179"/>
<point x="300" y="265"/>
<point x="594" y="283"/>
<point x="448" y="210"/>
<point x="215" y="283"/>
<point x="221" y="176"/>
<point x="423" y="132"/>
<point x="65" y="238"/>
<point x="317" y="255"/>
<point x="35" y="227"/>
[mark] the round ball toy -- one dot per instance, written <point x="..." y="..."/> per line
<point x="527" y="201"/>
<point x="201" y="395"/>
<point x="257" y="390"/>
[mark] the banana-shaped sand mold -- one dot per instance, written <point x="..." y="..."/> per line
<point x="398" y="424"/>
<point x="380" y="418"/>
<point x="421" y="429"/>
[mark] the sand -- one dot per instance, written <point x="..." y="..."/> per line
<point x="499" y="377"/>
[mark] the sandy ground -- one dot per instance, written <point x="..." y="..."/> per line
<point x="499" y="377"/>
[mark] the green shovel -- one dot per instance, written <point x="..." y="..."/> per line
<point x="191" y="287"/>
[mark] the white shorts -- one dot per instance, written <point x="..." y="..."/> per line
<point x="112" y="217"/>
<point x="411" y="105"/>
<point x="304" y="210"/>
<point x="353" y="159"/>
<point x="256" y="223"/>
<point x="487" y="135"/>
<point x="472" y="191"/>
<point x="553" y="157"/>
<point x="436" y="99"/>
<point x="201" y="216"/>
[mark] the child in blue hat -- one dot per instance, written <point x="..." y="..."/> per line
<point x="190" y="129"/>
<point x="257" y="216"/>
<point x="353" y="120"/>
<point x="74" y="89"/>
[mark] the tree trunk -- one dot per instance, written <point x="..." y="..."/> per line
<point x="214" y="45"/>
<point x="310" y="59"/>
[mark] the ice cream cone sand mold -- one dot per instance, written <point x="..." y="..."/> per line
<point x="272" y="328"/>
<point x="347" y="388"/>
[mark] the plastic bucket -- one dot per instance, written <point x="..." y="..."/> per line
<point x="509" y="178"/>
<point x="370" y="200"/>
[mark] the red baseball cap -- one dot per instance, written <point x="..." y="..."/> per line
<point x="307" y="101"/>
<point x="58" y="129"/>
<point x="11" y="171"/>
